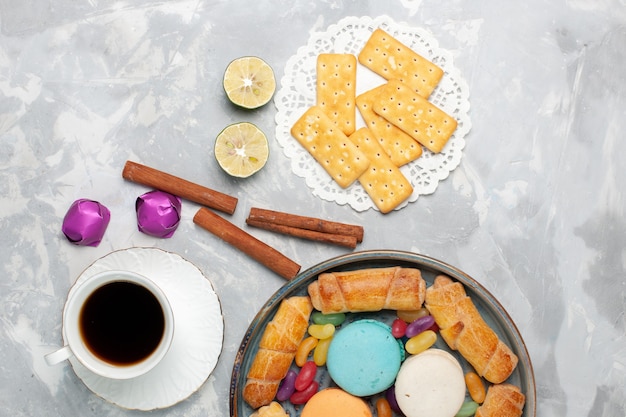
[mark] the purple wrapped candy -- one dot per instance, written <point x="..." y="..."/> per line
<point x="85" y="222"/>
<point x="158" y="213"/>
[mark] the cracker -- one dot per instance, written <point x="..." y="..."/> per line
<point x="416" y="116"/>
<point x="399" y="146"/>
<point x="336" y="89"/>
<point x="382" y="180"/>
<point x="330" y="147"/>
<point x="391" y="59"/>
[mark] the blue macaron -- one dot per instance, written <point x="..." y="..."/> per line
<point x="364" y="358"/>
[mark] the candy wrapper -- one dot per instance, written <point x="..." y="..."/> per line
<point x="85" y="222"/>
<point x="158" y="213"/>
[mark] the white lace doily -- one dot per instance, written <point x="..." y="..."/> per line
<point x="297" y="93"/>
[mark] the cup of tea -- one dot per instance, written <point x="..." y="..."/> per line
<point x="117" y="324"/>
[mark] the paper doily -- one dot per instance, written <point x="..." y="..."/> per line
<point x="297" y="93"/>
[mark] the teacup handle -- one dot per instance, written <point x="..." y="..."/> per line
<point x="58" y="355"/>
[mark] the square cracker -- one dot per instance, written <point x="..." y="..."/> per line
<point x="416" y="116"/>
<point x="400" y="147"/>
<point x="336" y="89"/>
<point x="330" y="147"/>
<point x="382" y="180"/>
<point x="391" y="59"/>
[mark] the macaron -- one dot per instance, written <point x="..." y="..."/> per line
<point x="364" y="357"/>
<point x="430" y="384"/>
<point x="335" y="402"/>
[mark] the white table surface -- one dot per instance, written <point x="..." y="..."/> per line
<point x="535" y="211"/>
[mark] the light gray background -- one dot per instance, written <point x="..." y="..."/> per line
<point x="535" y="211"/>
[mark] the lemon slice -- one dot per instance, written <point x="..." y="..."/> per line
<point x="241" y="149"/>
<point x="249" y="82"/>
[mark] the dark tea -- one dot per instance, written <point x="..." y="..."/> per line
<point x="122" y="323"/>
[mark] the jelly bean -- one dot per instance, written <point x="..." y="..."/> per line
<point x="321" y="331"/>
<point x="301" y="397"/>
<point x="468" y="409"/>
<point x="434" y="328"/>
<point x="321" y="351"/>
<point x="398" y="328"/>
<point x="390" y="396"/>
<point x="411" y="315"/>
<point x="383" y="408"/>
<point x="333" y="318"/>
<point x="305" y="376"/>
<point x="305" y="347"/>
<point x="417" y="326"/>
<point x="475" y="387"/>
<point x="287" y="386"/>
<point x="421" y="342"/>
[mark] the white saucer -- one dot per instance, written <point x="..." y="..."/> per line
<point x="198" y="334"/>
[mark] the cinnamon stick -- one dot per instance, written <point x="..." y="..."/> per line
<point x="247" y="243"/>
<point x="182" y="188"/>
<point x="342" y="240"/>
<point x="305" y="222"/>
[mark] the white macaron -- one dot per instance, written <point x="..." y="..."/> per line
<point x="430" y="384"/>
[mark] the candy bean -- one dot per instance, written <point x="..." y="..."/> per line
<point x="301" y="397"/>
<point x="321" y="331"/>
<point x="383" y="409"/>
<point x="417" y="326"/>
<point x="321" y="351"/>
<point x="390" y="396"/>
<point x="305" y="347"/>
<point x="398" y="328"/>
<point x="421" y="342"/>
<point x="333" y="318"/>
<point x="475" y="387"/>
<point x="411" y="315"/>
<point x="287" y="386"/>
<point x="305" y="376"/>
<point x="434" y="328"/>
<point x="468" y="409"/>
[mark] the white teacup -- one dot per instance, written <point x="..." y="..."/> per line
<point x="117" y="324"/>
